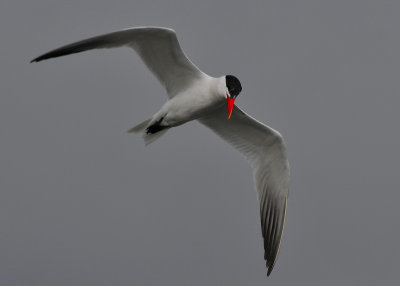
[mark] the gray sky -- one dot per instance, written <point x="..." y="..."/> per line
<point x="84" y="203"/>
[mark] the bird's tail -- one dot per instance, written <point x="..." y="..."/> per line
<point x="148" y="137"/>
<point x="141" y="127"/>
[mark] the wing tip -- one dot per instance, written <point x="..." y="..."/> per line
<point x="39" y="59"/>
<point x="270" y="264"/>
<point x="271" y="260"/>
<point x="269" y="270"/>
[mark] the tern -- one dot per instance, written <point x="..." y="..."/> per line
<point x="194" y="95"/>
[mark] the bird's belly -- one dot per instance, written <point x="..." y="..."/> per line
<point x="185" y="108"/>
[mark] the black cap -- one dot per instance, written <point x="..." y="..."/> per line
<point x="233" y="85"/>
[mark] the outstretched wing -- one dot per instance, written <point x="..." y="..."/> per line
<point x="158" y="47"/>
<point x="264" y="149"/>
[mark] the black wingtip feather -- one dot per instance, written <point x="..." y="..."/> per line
<point x="39" y="59"/>
<point x="269" y="270"/>
<point x="274" y="226"/>
<point x="46" y="57"/>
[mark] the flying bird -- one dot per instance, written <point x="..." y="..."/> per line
<point x="194" y="95"/>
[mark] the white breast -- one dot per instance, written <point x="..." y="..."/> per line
<point x="198" y="100"/>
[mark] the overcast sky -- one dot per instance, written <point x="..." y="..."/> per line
<point x="84" y="203"/>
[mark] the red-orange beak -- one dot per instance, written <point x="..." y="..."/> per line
<point x="230" y="101"/>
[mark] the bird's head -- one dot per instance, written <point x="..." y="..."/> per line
<point x="233" y="88"/>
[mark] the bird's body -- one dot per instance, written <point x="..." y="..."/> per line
<point x="194" y="95"/>
<point x="198" y="99"/>
<point x="203" y="96"/>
